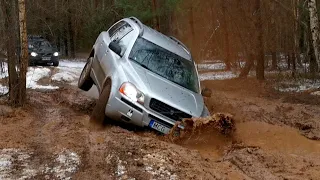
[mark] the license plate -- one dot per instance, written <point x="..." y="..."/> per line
<point x="46" y="58"/>
<point x="159" y="127"/>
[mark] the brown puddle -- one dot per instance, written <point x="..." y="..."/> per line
<point x="281" y="139"/>
<point x="209" y="145"/>
<point x="272" y="138"/>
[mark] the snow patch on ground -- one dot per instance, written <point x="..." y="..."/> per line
<point x="35" y="74"/>
<point x="19" y="164"/>
<point x="317" y="93"/>
<point x="215" y="66"/>
<point x="64" y="77"/>
<point x="159" y="166"/>
<point x="121" y="169"/>
<point x="298" y="86"/>
<point x="3" y="89"/>
<point x="3" y="70"/>
<point x="211" y="61"/>
<point x="75" y="63"/>
<point x="67" y="163"/>
<point x="217" y="76"/>
<point x="12" y="160"/>
<point x="68" y="71"/>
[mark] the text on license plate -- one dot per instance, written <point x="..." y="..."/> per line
<point x="46" y="58"/>
<point x="159" y="127"/>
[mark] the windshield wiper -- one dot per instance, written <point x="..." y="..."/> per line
<point x="144" y="66"/>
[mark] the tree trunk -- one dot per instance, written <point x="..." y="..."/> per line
<point x="224" y="27"/>
<point x="294" y="64"/>
<point x="260" y="45"/>
<point x="8" y="10"/>
<point x="156" y="23"/>
<point x="245" y="71"/>
<point x="71" y="31"/>
<point x="24" y="52"/>
<point x="313" y="66"/>
<point x="274" y="63"/>
<point x="315" y="30"/>
<point x="289" y="60"/>
<point x="297" y="33"/>
<point x="193" y="33"/>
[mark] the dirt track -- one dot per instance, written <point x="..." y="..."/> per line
<point x="51" y="138"/>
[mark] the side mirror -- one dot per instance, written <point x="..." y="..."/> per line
<point x="115" y="47"/>
<point x="205" y="92"/>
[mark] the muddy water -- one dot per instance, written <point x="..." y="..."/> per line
<point x="209" y="145"/>
<point x="281" y="139"/>
<point x="271" y="138"/>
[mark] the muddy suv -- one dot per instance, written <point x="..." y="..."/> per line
<point x="143" y="77"/>
<point x="41" y="52"/>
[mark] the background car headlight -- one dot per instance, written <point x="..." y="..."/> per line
<point x="132" y="92"/>
<point x="56" y="54"/>
<point x="33" y="54"/>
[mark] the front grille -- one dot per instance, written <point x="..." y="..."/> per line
<point x="167" y="110"/>
<point x="45" y="54"/>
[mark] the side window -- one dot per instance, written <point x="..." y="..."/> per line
<point x="114" y="28"/>
<point x="121" y="32"/>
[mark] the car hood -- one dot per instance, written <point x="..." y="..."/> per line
<point x="154" y="86"/>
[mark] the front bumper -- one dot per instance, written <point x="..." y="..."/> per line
<point x="121" y="108"/>
<point x="43" y="60"/>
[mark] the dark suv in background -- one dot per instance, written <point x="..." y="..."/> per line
<point x="42" y="52"/>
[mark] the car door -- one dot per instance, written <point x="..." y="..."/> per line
<point x="102" y="66"/>
<point x="109" y="62"/>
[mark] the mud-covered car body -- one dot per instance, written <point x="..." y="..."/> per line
<point x="154" y="81"/>
<point x="41" y="52"/>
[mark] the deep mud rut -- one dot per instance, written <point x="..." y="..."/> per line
<point x="52" y="138"/>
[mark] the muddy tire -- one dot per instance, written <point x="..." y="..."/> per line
<point x="55" y="63"/>
<point x="98" y="113"/>
<point x="85" y="82"/>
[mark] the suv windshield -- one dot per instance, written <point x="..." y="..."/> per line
<point x="42" y="44"/>
<point x="165" y="63"/>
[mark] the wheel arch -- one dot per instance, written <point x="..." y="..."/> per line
<point x="107" y="79"/>
<point x="92" y="53"/>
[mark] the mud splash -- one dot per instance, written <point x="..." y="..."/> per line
<point x="210" y="136"/>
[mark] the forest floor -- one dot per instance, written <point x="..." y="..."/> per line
<point x="277" y="136"/>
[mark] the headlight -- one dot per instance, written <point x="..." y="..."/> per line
<point x="56" y="54"/>
<point x="132" y="92"/>
<point x="33" y="54"/>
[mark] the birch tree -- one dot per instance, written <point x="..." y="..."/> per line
<point x="314" y="26"/>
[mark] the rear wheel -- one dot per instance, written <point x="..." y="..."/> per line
<point x="98" y="113"/>
<point x="85" y="81"/>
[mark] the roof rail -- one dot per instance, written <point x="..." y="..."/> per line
<point x="180" y="43"/>
<point x="136" y="20"/>
<point x="35" y="36"/>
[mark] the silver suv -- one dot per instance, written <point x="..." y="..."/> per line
<point x="143" y="77"/>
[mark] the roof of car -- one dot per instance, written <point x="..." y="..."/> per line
<point x="169" y="43"/>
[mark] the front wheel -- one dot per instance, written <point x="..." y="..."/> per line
<point x="55" y="63"/>
<point x="85" y="82"/>
<point x="98" y="113"/>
